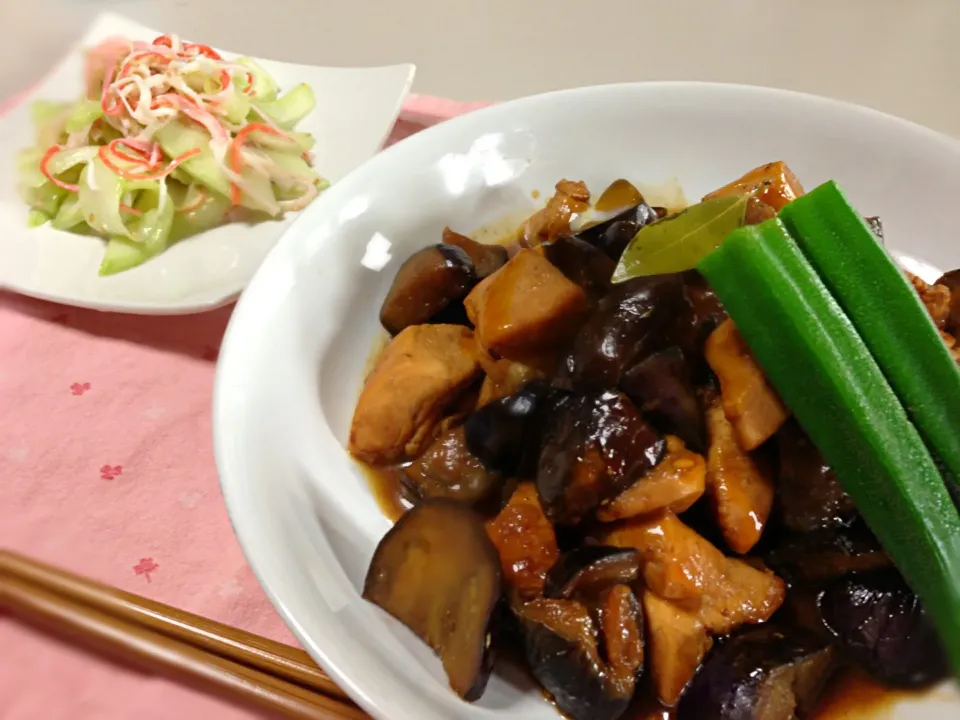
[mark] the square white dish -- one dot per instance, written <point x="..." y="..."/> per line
<point x="356" y="109"/>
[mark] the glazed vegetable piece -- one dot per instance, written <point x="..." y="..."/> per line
<point x="749" y="401"/>
<point x="882" y="626"/>
<point x="765" y="674"/>
<point x="447" y="469"/>
<point x="420" y="373"/>
<point x="594" y="446"/>
<point x="581" y="262"/>
<point x="486" y="259"/>
<point x="740" y="485"/>
<point x="525" y="541"/>
<point x="571" y="197"/>
<point x="627" y="325"/>
<point x="426" y="285"/>
<point x="560" y="643"/>
<point x="676" y="645"/>
<point x="821" y="555"/>
<point x="620" y="618"/>
<point x="701" y="315"/>
<point x="589" y="569"/>
<point x="826" y="375"/>
<point x="809" y="497"/>
<point x="505" y="433"/>
<point x="437" y="572"/>
<point x="886" y="313"/>
<point x="771" y="187"/>
<point x="662" y="387"/>
<point x="525" y="309"/>
<point x="675" y="483"/>
<point x="612" y="236"/>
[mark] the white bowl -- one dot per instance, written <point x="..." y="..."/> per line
<point x="356" y="108"/>
<point x="292" y="362"/>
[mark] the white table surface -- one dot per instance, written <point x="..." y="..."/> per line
<point x="897" y="56"/>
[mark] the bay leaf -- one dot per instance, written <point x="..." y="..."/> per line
<point x="679" y="242"/>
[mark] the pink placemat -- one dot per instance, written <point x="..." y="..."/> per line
<point x="106" y="469"/>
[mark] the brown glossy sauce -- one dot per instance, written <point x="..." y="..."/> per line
<point x="852" y="695"/>
<point x="620" y="194"/>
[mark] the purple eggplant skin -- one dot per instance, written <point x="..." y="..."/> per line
<point x="428" y="288"/>
<point x="702" y="314"/>
<point x="662" y="387"/>
<point x="505" y="433"/>
<point x="587" y="570"/>
<point x="880" y="625"/>
<point x="612" y="236"/>
<point x="766" y="673"/>
<point x="629" y="323"/>
<point x="581" y="263"/>
<point x="595" y="445"/>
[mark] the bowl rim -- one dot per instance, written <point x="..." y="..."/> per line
<point x="236" y="331"/>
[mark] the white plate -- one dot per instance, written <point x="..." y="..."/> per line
<point x="291" y="365"/>
<point x="356" y="108"/>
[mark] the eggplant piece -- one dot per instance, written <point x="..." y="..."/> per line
<point x="612" y="236"/>
<point x="582" y="263"/>
<point x="449" y="470"/>
<point x="426" y="285"/>
<point x="595" y="446"/>
<point x="876" y="226"/>
<point x="505" y="433"/>
<point x="952" y="281"/>
<point x="628" y="324"/>
<point x="823" y="555"/>
<point x="589" y="569"/>
<point x="486" y="259"/>
<point x="882" y="626"/>
<point x="764" y="674"/>
<point x="662" y="388"/>
<point x="809" y="496"/>
<point x="561" y="648"/>
<point x="437" y="572"/>
<point x="702" y="314"/>
<point x="620" y="619"/>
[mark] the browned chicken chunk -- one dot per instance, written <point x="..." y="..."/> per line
<point x="422" y="372"/>
<point x="749" y="401"/>
<point x="740" y="486"/>
<point x="525" y="541"/>
<point x="554" y="219"/>
<point x="503" y="377"/>
<point x="675" y="483"/>
<point x="676" y="643"/>
<point x="525" y="308"/>
<point x="770" y="187"/>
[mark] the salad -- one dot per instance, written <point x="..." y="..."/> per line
<point x="169" y="139"/>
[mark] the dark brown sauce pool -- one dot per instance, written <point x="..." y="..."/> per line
<point x="849" y="696"/>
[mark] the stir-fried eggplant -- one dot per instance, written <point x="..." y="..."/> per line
<point x="437" y="572"/>
<point x="662" y="388"/>
<point x="809" y="497"/>
<point x="588" y="569"/>
<point x="505" y="433"/>
<point x="629" y="323"/>
<point x="613" y="235"/>
<point x="826" y="554"/>
<point x="447" y="469"/>
<point x="431" y="282"/>
<point x="595" y="445"/>
<point x="764" y="674"/>
<point x="582" y="263"/>
<point x="486" y="259"/>
<point x="882" y="626"/>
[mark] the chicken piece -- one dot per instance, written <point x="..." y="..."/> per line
<point x="741" y="487"/>
<point x="677" y="642"/>
<point x="675" y="483"/>
<point x="749" y="401"/>
<point x="554" y="219"/>
<point x="951" y="343"/>
<point x="681" y="566"/>
<point x="770" y="186"/>
<point x="525" y="541"/>
<point x="525" y="309"/>
<point x="745" y="595"/>
<point x="936" y="298"/>
<point x="422" y="372"/>
<point x="678" y="564"/>
<point x="503" y="377"/>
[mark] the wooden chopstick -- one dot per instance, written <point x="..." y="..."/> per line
<point x="136" y="629"/>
